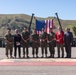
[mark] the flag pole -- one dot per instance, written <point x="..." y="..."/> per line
<point x="30" y="23"/>
<point x="58" y="20"/>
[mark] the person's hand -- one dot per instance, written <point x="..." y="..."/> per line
<point x="25" y="40"/>
<point x="48" y="41"/>
<point x="70" y="43"/>
<point x="10" y="42"/>
<point x="43" y="40"/>
<point x="35" y="41"/>
<point x="57" y="40"/>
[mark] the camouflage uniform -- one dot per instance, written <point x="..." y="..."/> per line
<point x="9" y="44"/>
<point x="35" y="44"/>
<point x="25" y="36"/>
<point x="44" y="43"/>
<point x="51" y="41"/>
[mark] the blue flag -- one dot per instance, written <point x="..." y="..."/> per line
<point x="40" y="24"/>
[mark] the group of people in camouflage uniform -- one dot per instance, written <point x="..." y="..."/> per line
<point x="16" y="40"/>
<point x="38" y="40"/>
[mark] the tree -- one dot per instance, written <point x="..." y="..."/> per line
<point x="74" y="30"/>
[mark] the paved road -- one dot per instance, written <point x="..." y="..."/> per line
<point x="2" y="53"/>
<point x="43" y="69"/>
<point x="37" y="70"/>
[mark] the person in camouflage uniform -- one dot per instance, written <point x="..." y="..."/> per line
<point x="25" y="41"/>
<point x="51" y="37"/>
<point x="35" y="43"/>
<point x="44" y="39"/>
<point x="9" y="43"/>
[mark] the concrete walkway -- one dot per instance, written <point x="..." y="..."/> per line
<point x="39" y="66"/>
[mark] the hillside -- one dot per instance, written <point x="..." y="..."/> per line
<point x="20" y="21"/>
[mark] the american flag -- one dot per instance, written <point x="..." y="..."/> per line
<point x="47" y="24"/>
